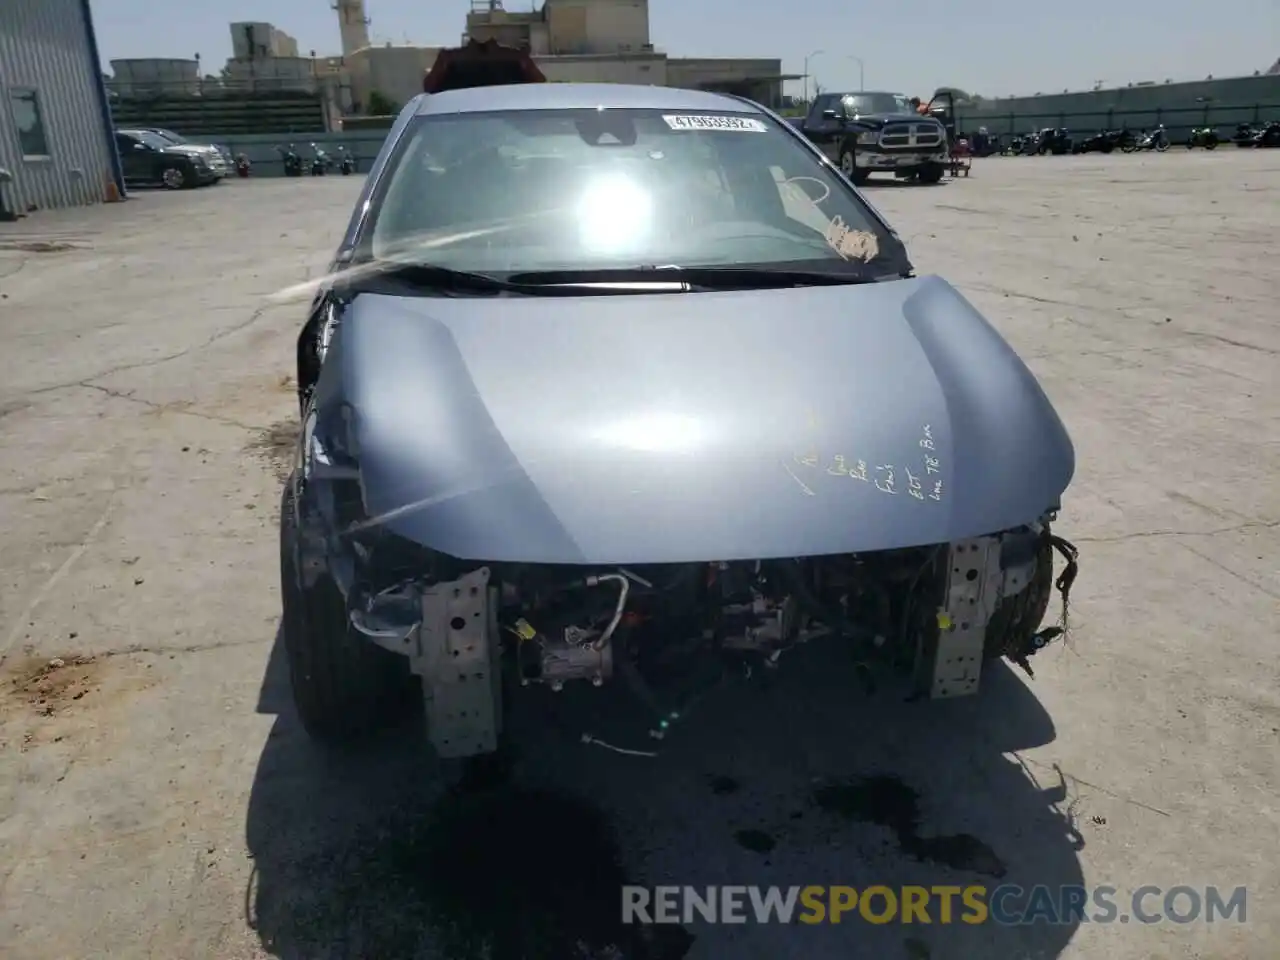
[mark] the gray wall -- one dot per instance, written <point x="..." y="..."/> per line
<point x="45" y="46"/>
<point x="1179" y="106"/>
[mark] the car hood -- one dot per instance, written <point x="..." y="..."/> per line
<point x="686" y="427"/>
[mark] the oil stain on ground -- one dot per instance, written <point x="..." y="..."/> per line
<point x="492" y="873"/>
<point x="888" y="802"/>
<point x="722" y="785"/>
<point x="276" y="445"/>
<point x="757" y="841"/>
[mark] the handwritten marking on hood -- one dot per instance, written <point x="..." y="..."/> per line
<point x="849" y="243"/>
<point x="884" y="477"/>
<point x="931" y="464"/>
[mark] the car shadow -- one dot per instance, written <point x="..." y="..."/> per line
<point x="895" y="183"/>
<point x="794" y="776"/>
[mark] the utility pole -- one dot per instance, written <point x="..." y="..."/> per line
<point x="808" y="57"/>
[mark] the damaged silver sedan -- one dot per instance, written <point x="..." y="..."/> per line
<point x="607" y="382"/>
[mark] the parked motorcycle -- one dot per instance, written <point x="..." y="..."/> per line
<point x="1105" y="141"/>
<point x="1157" y="140"/>
<point x="319" y="161"/>
<point x="242" y="165"/>
<point x="1268" y="135"/>
<point x="346" y="162"/>
<point x="292" y="161"/>
<point x="1206" y="137"/>
<point x="1245" y="132"/>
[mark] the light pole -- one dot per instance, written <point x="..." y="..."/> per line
<point x="809" y="56"/>
<point x="862" y="72"/>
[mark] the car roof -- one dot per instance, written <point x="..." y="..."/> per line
<point x="569" y="96"/>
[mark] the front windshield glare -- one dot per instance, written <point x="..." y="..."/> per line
<point x="504" y="193"/>
<point x="153" y="140"/>
<point x="865" y="104"/>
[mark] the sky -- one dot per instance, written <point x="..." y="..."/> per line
<point x="993" y="48"/>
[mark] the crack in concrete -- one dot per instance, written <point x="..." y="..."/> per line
<point x="1147" y="534"/>
<point x="22" y="262"/>
<point x="155" y="361"/>
<point x="1229" y="341"/>
<point x="168" y="408"/>
<point x="1234" y="574"/>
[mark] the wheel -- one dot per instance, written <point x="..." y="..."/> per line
<point x="1162" y="146"/>
<point x="344" y="686"/>
<point x="174" y="178"/>
<point x="1190" y="144"/>
<point x="850" y="169"/>
<point x="932" y="173"/>
<point x="1211" y="145"/>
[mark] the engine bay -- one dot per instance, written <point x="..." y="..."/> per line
<point x="936" y="611"/>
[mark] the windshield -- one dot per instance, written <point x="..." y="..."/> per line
<point x="507" y="193"/>
<point x="863" y="104"/>
<point x="169" y="135"/>
<point x="153" y="140"/>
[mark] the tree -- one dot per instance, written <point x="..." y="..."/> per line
<point x="380" y="105"/>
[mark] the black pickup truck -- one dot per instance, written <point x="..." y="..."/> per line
<point x="868" y="133"/>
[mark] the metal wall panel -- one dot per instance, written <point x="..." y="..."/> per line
<point x="45" y="45"/>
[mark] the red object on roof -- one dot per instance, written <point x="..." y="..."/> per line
<point x="480" y="64"/>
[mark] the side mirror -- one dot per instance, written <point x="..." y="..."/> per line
<point x="141" y="146"/>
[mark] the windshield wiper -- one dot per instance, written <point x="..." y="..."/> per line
<point x="696" y="278"/>
<point x="426" y="276"/>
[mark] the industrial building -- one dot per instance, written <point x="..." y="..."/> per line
<point x="269" y="85"/>
<point x="593" y="41"/>
<point x="56" y="143"/>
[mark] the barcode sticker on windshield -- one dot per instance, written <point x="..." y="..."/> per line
<point x="704" y="122"/>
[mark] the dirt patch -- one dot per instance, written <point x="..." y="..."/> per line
<point x="44" y="688"/>
<point x="275" y="446"/>
<point x="47" y="700"/>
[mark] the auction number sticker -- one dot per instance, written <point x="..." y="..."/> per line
<point x="705" y="122"/>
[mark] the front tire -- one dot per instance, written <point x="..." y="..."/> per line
<point x="174" y="178"/>
<point x="345" y="688"/>
<point x="849" y="167"/>
<point x="931" y="173"/>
